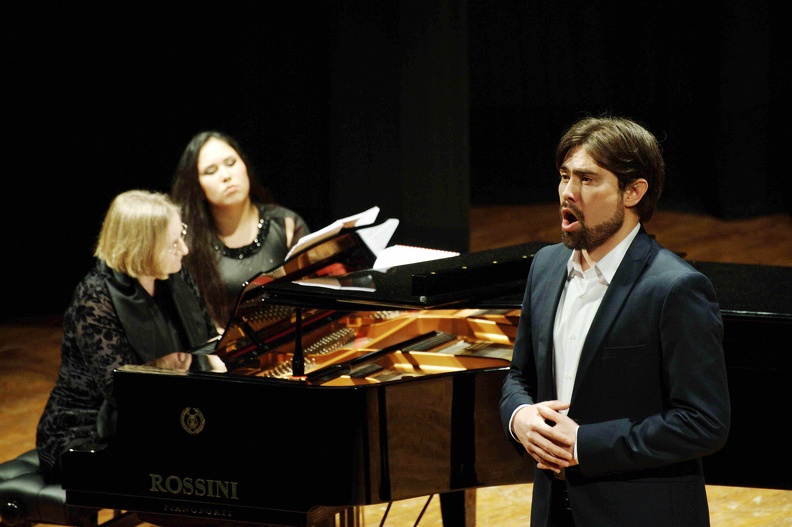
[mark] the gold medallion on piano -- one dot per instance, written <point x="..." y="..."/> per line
<point x="192" y="420"/>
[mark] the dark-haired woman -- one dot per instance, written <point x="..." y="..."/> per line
<point x="236" y="231"/>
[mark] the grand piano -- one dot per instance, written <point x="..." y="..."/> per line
<point x="381" y="385"/>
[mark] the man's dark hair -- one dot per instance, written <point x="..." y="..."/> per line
<point x="624" y="147"/>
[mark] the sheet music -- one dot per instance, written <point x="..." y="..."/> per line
<point x="332" y="282"/>
<point x="406" y="254"/>
<point x="377" y="237"/>
<point x="366" y="217"/>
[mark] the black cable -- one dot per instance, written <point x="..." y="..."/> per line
<point x="418" y="520"/>
<point x="384" y="516"/>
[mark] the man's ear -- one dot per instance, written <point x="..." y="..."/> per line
<point x="635" y="191"/>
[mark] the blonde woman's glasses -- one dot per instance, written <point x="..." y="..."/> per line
<point x="176" y="247"/>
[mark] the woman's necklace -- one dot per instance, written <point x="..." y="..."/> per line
<point x="248" y="250"/>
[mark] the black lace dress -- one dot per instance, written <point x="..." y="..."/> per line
<point x="111" y="321"/>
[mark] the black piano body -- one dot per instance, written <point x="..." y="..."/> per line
<point x="756" y="307"/>
<point x="244" y="446"/>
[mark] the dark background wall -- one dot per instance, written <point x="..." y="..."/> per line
<point x="421" y="108"/>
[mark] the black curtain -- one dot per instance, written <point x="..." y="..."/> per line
<point x="711" y="80"/>
<point x="100" y="98"/>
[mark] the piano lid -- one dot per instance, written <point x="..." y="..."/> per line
<point x="490" y="279"/>
<point x="751" y="290"/>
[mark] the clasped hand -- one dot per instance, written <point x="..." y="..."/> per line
<point x="547" y="435"/>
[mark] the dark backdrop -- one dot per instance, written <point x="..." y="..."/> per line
<point x="422" y="108"/>
<point x="710" y="79"/>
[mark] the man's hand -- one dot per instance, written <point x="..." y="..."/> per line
<point x="547" y="435"/>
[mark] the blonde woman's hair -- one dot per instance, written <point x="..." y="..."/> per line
<point x="134" y="233"/>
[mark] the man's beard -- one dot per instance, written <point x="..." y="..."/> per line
<point x="588" y="239"/>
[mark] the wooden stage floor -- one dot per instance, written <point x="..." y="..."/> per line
<point x="29" y="359"/>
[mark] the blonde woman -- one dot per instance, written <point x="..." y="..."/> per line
<point x="136" y="306"/>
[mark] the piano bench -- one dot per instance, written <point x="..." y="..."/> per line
<point x="26" y="499"/>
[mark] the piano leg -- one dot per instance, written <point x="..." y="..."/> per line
<point x="458" y="508"/>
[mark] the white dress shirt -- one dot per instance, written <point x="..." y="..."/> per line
<point x="577" y="307"/>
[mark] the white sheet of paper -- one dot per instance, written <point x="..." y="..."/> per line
<point x="331" y="282"/>
<point x="366" y="217"/>
<point x="377" y="237"/>
<point x="406" y="254"/>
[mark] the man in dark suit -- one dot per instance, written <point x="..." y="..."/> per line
<point x="617" y="386"/>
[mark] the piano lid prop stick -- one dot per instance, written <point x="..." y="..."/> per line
<point x="298" y="364"/>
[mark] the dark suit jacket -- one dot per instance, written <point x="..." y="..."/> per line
<point x="650" y="394"/>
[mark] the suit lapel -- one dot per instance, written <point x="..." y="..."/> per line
<point x="630" y="269"/>
<point x="552" y="285"/>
